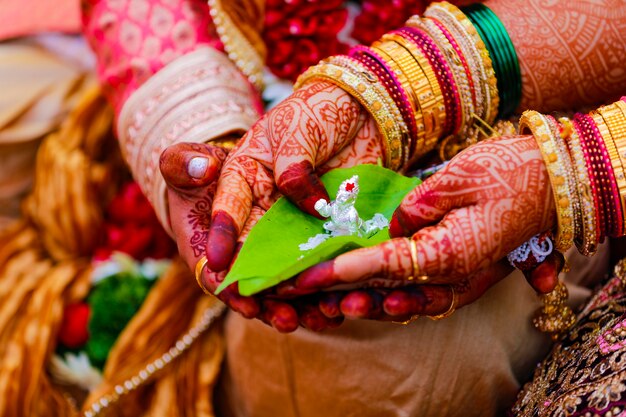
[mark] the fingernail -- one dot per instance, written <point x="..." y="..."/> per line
<point x="222" y="241"/>
<point x="197" y="167"/>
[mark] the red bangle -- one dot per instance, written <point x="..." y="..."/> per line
<point x="377" y="65"/>
<point x="459" y="53"/>
<point x="452" y="99"/>
<point x="584" y="146"/>
<point x="604" y="171"/>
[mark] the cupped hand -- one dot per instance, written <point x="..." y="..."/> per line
<point x="318" y="128"/>
<point x="487" y="201"/>
<point x="191" y="172"/>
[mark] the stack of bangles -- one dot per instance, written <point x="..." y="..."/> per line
<point x="430" y="80"/>
<point x="586" y="161"/>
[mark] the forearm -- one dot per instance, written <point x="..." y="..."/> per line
<point x="570" y="52"/>
<point x="438" y="75"/>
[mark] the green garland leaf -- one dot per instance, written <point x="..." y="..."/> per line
<point x="271" y="254"/>
<point x="113" y="301"/>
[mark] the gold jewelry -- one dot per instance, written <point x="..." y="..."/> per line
<point x="372" y="95"/>
<point x="416" y="273"/>
<point x="535" y="123"/>
<point x="450" y="309"/>
<point x="585" y="240"/>
<point x="477" y="56"/>
<point x="404" y="323"/>
<point x="570" y="176"/>
<point x="454" y="62"/>
<point x="555" y="316"/>
<point x="391" y="53"/>
<point x="199" y="268"/>
<point x="421" y="76"/>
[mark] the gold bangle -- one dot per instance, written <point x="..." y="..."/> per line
<point x="362" y="73"/>
<point x="454" y="62"/>
<point x="473" y="48"/>
<point x="536" y="123"/>
<point x="600" y="117"/>
<point x="372" y="95"/>
<point x="586" y="240"/>
<point x="429" y="95"/>
<point x="412" y="142"/>
<point x="450" y="309"/>
<point x="570" y="174"/>
<point x="395" y="61"/>
<point x="199" y="268"/>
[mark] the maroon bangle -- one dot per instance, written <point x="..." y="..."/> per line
<point x="592" y="180"/>
<point x="600" y="173"/>
<point x="377" y="64"/>
<point x="604" y="171"/>
<point x="614" y="228"/>
<point x="451" y="97"/>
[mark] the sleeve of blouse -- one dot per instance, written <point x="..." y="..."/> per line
<point x="162" y="67"/>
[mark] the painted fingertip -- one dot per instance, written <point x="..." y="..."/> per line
<point x="197" y="167"/>
<point x="288" y="290"/>
<point x="222" y="242"/>
<point x="330" y="305"/>
<point x="398" y="224"/>
<point x="302" y="186"/>
<point x="545" y="276"/>
<point x="317" y="276"/>
<point x="404" y="302"/>
<point x="282" y="316"/>
<point x="313" y="319"/>
<point x="246" y="306"/>
<point x="357" y="305"/>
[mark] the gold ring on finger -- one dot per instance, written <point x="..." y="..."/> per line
<point x="450" y="309"/>
<point x="199" y="268"/>
<point x="415" y="267"/>
<point x="404" y="323"/>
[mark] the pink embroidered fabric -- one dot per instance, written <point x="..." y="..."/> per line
<point x="133" y="39"/>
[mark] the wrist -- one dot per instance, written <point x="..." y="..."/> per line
<point x="200" y="97"/>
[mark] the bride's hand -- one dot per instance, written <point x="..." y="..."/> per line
<point x="318" y="128"/>
<point x="487" y="201"/>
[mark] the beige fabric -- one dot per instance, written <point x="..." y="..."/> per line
<point x="38" y="89"/>
<point x="471" y="364"/>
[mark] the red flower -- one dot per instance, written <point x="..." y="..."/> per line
<point x="298" y="33"/>
<point x="73" y="333"/>
<point x="378" y="17"/>
<point x="133" y="228"/>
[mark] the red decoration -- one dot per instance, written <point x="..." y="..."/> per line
<point x="378" y="17"/>
<point x="298" y="33"/>
<point x="133" y="228"/>
<point x="349" y="187"/>
<point x="73" y="333"/>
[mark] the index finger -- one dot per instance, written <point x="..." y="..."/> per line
<point x="307" y="130"/>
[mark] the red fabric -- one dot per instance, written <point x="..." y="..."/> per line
<point x="133" y="39"/>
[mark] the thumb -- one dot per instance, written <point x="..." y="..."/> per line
<point x="189" y="166"/>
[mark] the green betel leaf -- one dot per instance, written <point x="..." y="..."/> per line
<point x="271" y="253"/>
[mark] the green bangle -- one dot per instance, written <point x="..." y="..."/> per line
<point x="502" y="53"/>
